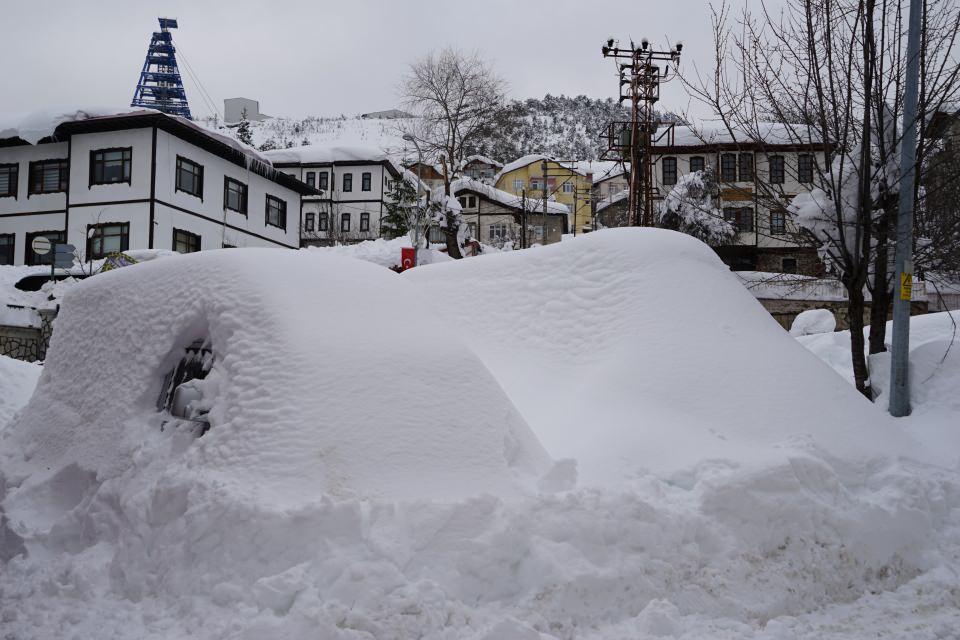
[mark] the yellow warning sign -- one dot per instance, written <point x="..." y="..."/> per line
<point x="906" y="286"/>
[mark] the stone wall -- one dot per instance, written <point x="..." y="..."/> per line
<point x="28" y="343"/>
<point x="784" y="311"/>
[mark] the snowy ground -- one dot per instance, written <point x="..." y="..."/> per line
<point x="391" y="456"/>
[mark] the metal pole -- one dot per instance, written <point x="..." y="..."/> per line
<point x="899" y="368"/>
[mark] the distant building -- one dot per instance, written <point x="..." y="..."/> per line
<point x="233" y="109"/>
<point x="565" y="182"/>
<point x="495" y="217"/>
<point x="354" y="183"/>
<point x="389" y="114"/>
<point x="430" y="174"/>
<point x="480" y="168"/>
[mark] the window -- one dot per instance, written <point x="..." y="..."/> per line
<point x="30" y="258"/>
<point x="746" y="167"/>
<point x="805" y="168"/>
<point x="108" y="166"/>
<point x="48" y="176"/>
<point x="535" y="184"/>
<point x="229" y="246"/>
<point x="324" y="181"/>
<point x="345" y="222"/>
<point x="696" y="163"/>
<point x="741" y="218"/>
<point x="788" y="265"/>
<point x="364" y="222"/>
<point x="348" y="182"/>
<point x="189" y="177"/>
<point x="107" y="238"/>
<point x="568" y="187"/>
<point x="276" y="214"/>
<point x="365" y="181"/>
<point x="8" y="245"/>
<point x="463" y="201"/>
<point x="777" y="173"/>
<point x="467" y="202"/>
<point x="668" y="167"/>
<point x="9" y="176"/>
<point x="234" y="195"/>
<point x="311" y="178"/>
<point x="308" y="224"/>
<point x="728" y="167"/>
<point x="517" y="186"/>
<point x="497" y="232"/>
<point x="323" y="222"/>
<point x="778" y="221"/>
<point x="185" y="242"/>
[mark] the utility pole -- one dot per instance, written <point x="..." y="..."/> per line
<point x="523" y="218"/>
<point x="574" y="210"/>
<point x="900" y="365"/>
<point x="643" y="72"/>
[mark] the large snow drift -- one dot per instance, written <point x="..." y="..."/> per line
<point x="634" y="350"/>
<point x="321" y="384"/>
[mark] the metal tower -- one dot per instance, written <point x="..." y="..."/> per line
<point x="160" y="86"/>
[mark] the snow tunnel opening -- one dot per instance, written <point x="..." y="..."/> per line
<point x="183" y="396"/>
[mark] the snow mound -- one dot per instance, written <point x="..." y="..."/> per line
<point x="17" y="380"/>
<point x="813" y="321"/>
<point x="309" y="395"/>
<point x="637" y="350"/>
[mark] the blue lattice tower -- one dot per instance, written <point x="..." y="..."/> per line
<point x="160" y="86"/>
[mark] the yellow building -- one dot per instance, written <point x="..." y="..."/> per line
<point x="565" y="183"/>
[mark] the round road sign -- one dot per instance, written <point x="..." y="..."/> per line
<point x="41" y="245"/>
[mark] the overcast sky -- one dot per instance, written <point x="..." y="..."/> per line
<point x="327" y="58"/>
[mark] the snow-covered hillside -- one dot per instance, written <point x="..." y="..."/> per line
<point x="377" y="462"/>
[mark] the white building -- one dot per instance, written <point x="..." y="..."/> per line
<point x="758" y="174"/>
<point x="496" y="217"/>
<point x="235" y="109"/>
<point x="353" y="184"/>
<point x="142" y="180"/>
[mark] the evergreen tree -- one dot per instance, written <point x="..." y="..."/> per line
<point x="401" y="203"/>
<point x="243" y="131"/>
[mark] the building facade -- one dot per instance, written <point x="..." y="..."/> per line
<point x="142" y="180"/>
<point x="353" y="184"/>
<point x="757" y="177"/>
<point x="496" y="217"/>
<point x="565" y="184"/>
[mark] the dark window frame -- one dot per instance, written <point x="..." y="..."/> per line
<point x="745" y="172"/>
<point x="778" y="221"/>
<point x="366" y="181"/>
<point x="344" y="223"/>
<point x="364" y="221"/>
<point x="778" y="169"/>
<point x="192" y="239"/>
<point x="728" y="167"/>
<point x="12" y="248"/>
<point x="323" y="221"/>
<point x="13" y="186"/>
<point x="181" y="161"/>
<point x="311" y="178"/>
<point x="227" y="183"/>
<point x="347" y="183"/>
<point x="38" y="166"/>
<point x="309" y="222"/>
<point x="668" y="171"/>
<point x="699" y="160"/>
<point x="126" y="162"/>
<point x="785" y="261"/>
<point x="736" y="216"/>
<point x="804" y="173"/>
<point x="281" y="212"/>
<point x="323" y="180"/>
<point x="124" y="238"/>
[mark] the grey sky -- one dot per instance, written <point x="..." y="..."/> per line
<point x="327" y="58"/>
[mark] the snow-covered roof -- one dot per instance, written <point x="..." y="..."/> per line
<point x="615" y="198"/>
<point x="323" y="153"/>
<point x="530" y="159"/>
<point x="506" y="199"/>
<point x="608" y="170"/>
<point x="483" y="159"/>
<point x="716" y="132"/>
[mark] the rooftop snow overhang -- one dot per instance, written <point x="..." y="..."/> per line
<point x="192" y="134"/>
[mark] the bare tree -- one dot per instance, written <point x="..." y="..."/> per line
<point x="456" y="97"/>
<point x="831" y="72"/>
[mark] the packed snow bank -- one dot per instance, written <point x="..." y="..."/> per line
<point x="309" y="395"/>
<point x="17" y="380"/>
<point x="813" y="321"/>
<point x="637" y="350"/>
<point x="385" y="253"/>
